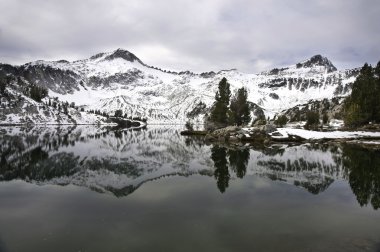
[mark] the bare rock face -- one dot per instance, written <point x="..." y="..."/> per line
<point x="274" y="96"/>
<point x="332" y="108"/>
<point x="123" y="54"/>
<point x="61" y="81"/>
<point x="318" y="60"/>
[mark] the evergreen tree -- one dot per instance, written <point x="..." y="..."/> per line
<point x="312" y="119"/>
<point x="37" y="93"/>
<point x="325" y="118"/>
<point x="65" y="109"/>
<point x="239" y="109"/>
<point x="377" y="93"/>
<point x="3" y="84"/>
<point x="119" y="113"/>
<point x="281" y="120"/>
<point x="222" y="100"/>
<point x="363" y="105"/>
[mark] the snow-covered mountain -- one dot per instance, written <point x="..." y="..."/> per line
<point x="120" y="80"/>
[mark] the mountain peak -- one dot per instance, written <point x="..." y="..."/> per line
<point x="123" y="54"/>
<point x="318" y="60"/>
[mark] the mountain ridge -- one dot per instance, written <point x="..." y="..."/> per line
<point x="129" y="56"/>
<point x="162" y="96"/>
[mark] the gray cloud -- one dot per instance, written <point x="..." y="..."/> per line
<point x="198" y="35"/>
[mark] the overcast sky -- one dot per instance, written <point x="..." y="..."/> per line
<point x="199" y="35"/>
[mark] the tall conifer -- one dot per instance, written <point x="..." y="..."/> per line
<point x="222" y="101"/>
<point x="239" y="113"/>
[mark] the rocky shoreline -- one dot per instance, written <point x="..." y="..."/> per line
<point x="259" y="135"/>
<point x="269" y="134"/>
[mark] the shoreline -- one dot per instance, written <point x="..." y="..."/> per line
<point x="265" y="136"/>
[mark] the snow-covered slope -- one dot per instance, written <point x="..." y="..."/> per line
<point x="119" y="80"/>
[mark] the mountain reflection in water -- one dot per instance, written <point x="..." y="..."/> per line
<point x="118" y="162"/>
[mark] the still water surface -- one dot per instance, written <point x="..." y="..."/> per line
<point x="89" y="189"/>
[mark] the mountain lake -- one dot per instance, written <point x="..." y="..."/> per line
<point x="83" y="188"/>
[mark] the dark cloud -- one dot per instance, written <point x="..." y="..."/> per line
<point x="198" y="35"/>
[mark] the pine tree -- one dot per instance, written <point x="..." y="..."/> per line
<point x="377" y="93"/>
<point x="325" y="118"/>
<point x="281" y="120"/>
<point x="3" y="84"/>
<point x="119" y="113"/>
<point x="65" y="109"/>
<point x="222" y="100"/>
<point x="363" y="105"/>
<point x="352" y="115"/>
<point x="312" y="119"/>
<point x="239" y="109"/>
<point x="37" y="93"/>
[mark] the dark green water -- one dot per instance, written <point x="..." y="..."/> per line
<point x="88" y="189"/>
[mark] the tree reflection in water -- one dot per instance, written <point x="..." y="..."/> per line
<point x="221" y="173"/>
<point x="363" y="167"/>
<point x="238" y="161"/>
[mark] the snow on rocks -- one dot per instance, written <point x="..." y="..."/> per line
<point x="308" y="134"/>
